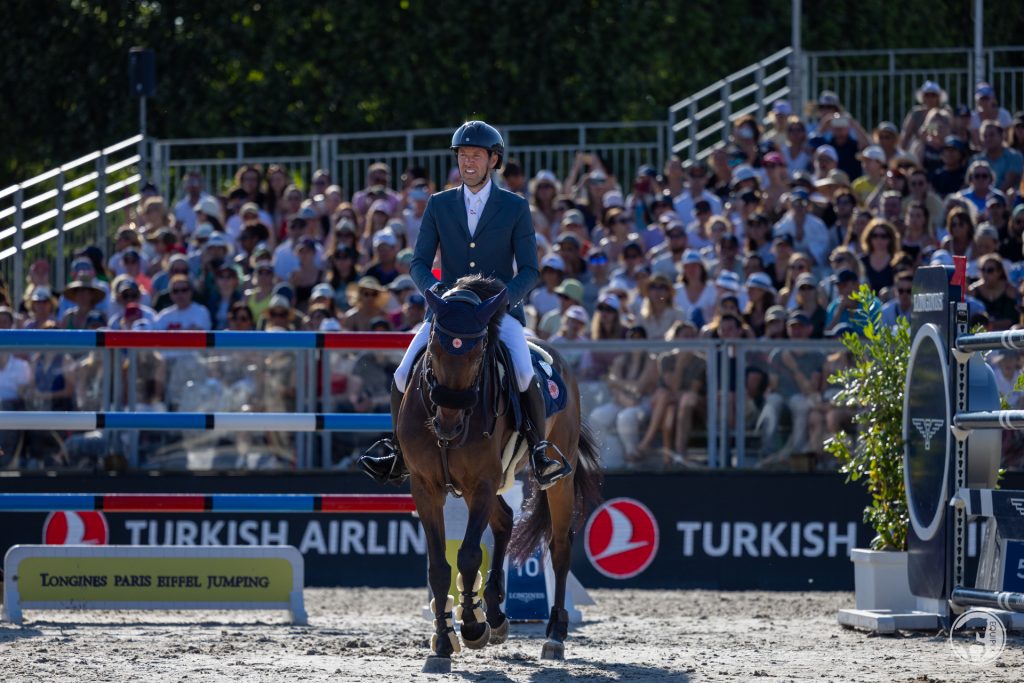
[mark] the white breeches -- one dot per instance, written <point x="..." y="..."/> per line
<point x="510" y="332"/>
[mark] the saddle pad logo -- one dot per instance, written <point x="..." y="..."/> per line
<point x="553" y="389"/>
<point x="621" y="538"/>
<point x="457" y="343"/>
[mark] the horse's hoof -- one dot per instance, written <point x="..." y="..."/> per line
<point x="552" y="650"/>
<point x="437" y="665"/>
<point x="499" y="634"/>
<point x="477" y="643"/>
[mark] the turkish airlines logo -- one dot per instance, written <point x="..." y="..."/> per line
<point x="928" y="428"/>
<point x="75" y="528"/>
<point x="621" y="538"/>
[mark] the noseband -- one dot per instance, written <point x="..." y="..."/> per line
<point x="439" y="395"/>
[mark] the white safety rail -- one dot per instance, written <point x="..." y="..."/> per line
<point x="705" y="118"/>
<point x="48" y="216"/>
<point x="623" y="146"/>
<point x="880" y="85"/>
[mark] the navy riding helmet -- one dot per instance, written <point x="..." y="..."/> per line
<point x="479" y="134"/>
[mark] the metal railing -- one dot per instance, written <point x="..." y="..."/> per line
<point x="705" y="118"/>
<point x="622" y="145"/>
<point x="41" y="217"/>
<point x="880" y="85"/>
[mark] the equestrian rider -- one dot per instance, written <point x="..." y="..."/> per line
<point x="480" y="229"/>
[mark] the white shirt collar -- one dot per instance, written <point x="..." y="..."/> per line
<point x="484" y="194"/>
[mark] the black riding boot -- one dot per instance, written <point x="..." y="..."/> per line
<point x="383" y="460"/>
<point x="548" y="471"/>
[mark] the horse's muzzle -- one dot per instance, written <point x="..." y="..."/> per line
<point x="448" y="424"/>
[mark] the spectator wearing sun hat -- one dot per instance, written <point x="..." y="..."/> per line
<point x="570" y="293"/>
<point x="368" y="299"/>
<point x="85" y="296"/>
<point x="874" y="164"/>
<point x="930" y="97"/>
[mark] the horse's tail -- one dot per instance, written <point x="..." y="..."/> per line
<point x="535" y="521"/>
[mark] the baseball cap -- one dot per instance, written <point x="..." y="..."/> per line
<point x="568" y="237"/>
<point x="307" y="213"/>
<point x="775" y="313"/>
<point x="553" y="261"/>
<point x="203" y="231"/>
<point x="345" y="225"/>
<point x="827" y="151"/>
<point x="760" y="281"/>
<point x="984" y="90"/>
<point x="208" y="206"/>
<point x="996" y="199"/>
<point x="806" y="280"/>
<point x="846" y="275"/>
<point x="799" y="194"/>
<point x="692" y="256"/>
<point x="728" y="280"/>
<point x="953" y="142"/>
<point x="774" y="158"/>
<point x="888" y="127"/>
<point x="798" y="317"/>
<point x="784" y="238"/>
<point x="330" y="325"/>
<point x="401" y="283"/>
<point x="742" y="174"/>
<point x="611" y="301"/>
<point x="249" y="207"/>
<point x="834" y="177"/>
<point x="873" y="152"/>
<point x="572" y="289"/>
<point x="577" y="313"/>
<point x="573" y="217"/>
<point x="827" y="98"/>
<point x="962" y="110"/>
<point x="385" y="237"/>
<point x="322" y="290"/>
<point x="782" y="107"/>
<point x="41" y="294"/>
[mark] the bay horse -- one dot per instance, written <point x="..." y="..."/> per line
<point x="453" y="426"/>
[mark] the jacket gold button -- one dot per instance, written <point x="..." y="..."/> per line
<point x="472" y="245"/>
<point x="472" y="264"/>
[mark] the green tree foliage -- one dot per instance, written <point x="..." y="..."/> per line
<point x="873" y="386"/>
<point x="263" y="68"/>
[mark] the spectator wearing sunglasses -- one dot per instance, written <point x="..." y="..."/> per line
<point x="184" y="313"/>
<point x="994" y="290"/>
<point x="1006" y="163"/>
<point x="980" y="179"/>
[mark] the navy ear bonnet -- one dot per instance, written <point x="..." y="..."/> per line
<point x="460" y="318"/>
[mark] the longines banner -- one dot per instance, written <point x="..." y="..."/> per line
<point x="732" y="530"/>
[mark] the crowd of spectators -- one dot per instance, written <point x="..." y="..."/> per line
<point x="767" y="237"/>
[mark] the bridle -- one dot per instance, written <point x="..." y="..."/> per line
<point x="439" y="395"/>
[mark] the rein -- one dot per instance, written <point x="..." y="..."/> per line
<point x="463" y="400"/>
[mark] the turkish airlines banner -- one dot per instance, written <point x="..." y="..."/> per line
<point x="731" y="530"/>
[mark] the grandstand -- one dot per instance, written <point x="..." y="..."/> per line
<point x="732" y="232"/>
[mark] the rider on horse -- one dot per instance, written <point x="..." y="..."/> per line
<point x="483" y="229"/>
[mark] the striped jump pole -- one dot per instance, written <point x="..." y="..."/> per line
<point x="991" y="341"/>
<point x="215" y="502"/>
<point x="975" y="597"/>
<point x="236" y="422"/>
<point x="197" y="340"/>
<point x="990" y="419"/>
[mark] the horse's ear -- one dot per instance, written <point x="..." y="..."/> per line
<point x="486" y="310"/>
<point x="435" y="302"/>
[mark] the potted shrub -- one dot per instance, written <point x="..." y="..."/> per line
<point x="873" y="386"/>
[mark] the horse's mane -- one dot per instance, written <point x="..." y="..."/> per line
<point x="485" y="287"/>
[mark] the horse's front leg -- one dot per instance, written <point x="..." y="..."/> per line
<point x="494" y="589"/>
<point x="475" y="630"/>
<point x="560" y="502"/>
<point x="445" y="642"/>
